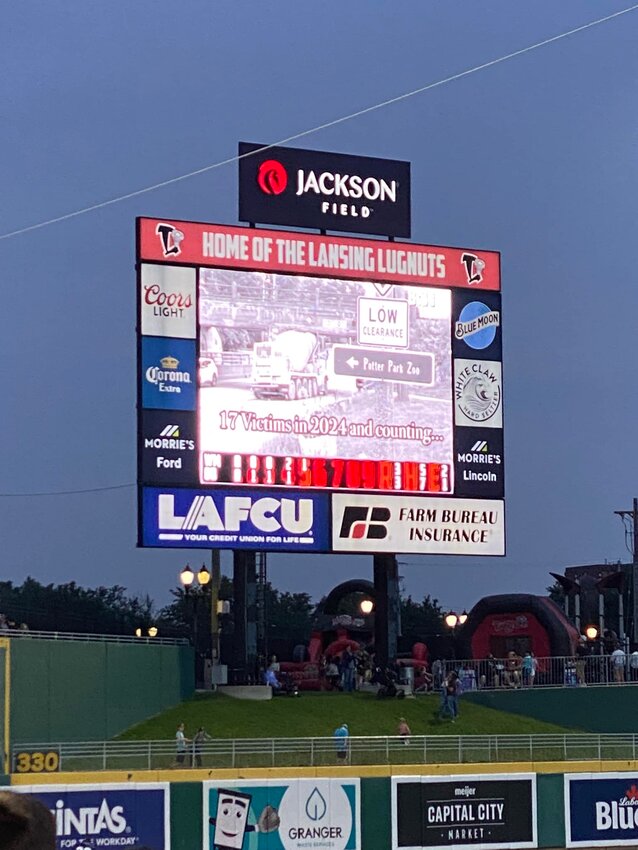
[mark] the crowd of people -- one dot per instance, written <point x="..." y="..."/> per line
<point x="7" y="625"/>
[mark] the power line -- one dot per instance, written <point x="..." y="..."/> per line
<point x="319" y="127"/>
<point x="67" y="492"/>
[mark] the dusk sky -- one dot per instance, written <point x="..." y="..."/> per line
<point x="536" y="157"/>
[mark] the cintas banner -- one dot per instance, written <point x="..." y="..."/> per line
<point x="464" y="811"/>
<point x="107" y="816"/>
<point x="327" y="191"/>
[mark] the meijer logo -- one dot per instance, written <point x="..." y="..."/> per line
<point x="267" y="514"/>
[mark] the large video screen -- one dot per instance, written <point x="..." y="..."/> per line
<point x="304" y="392"/>
<point x="317" y="382"/>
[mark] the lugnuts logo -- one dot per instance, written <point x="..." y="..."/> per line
<point x="171" y="239"/>
<point x="473" y="268"/>
<point x="272" y="177"/>
<point x="364" y="523"/>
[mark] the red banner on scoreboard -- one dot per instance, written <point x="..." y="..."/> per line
<point x="173" y="241"/>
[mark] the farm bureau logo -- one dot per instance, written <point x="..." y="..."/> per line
<point x="272" y="177"/>
<point x="168" y="378"/>
<point x="477" y="325"/>
<point x="364" y="522"/>
<point x="477" y="390"/>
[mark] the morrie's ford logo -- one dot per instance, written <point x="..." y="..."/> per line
<point x="272" y="177"/>
<point x="169" y="438"/>
<point x="267" y="514"/>
<point x="367" y="523"/>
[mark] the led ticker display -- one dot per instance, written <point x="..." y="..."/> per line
<point x="322" y="365"/>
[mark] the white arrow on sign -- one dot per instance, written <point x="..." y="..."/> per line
<point x="352" y="362"/>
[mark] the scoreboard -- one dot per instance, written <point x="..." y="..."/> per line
<point x="299" y="392"/>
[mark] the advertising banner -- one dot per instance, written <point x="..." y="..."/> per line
<point x="169" y="376"/>
<point x="479" y="470"/>
<point x="370" y="523"/>
<point x="282" y="814"/>
<point x="231" y="519"/>
<point x="107" y="816"/>
<point x="289" y="252"/>
<point x="326" y="191"/>
<point x="168" y="301"/>
<point x="464" y="811"/>
<point x="601" y="809"/>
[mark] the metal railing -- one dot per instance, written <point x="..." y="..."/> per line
<point x="313" y="752"/>
<point x="20" y="634"/>
<point x="558" y="671"/>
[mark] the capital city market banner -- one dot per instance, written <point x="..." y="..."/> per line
<point x="498" y="811"/>
<point x="601" y="809"/>
<point x="295" y="814"/>
<point x="88" y="817"/>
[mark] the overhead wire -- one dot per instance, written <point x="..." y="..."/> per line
<point x="333" y="123"/>
<point x="342" y="119"/>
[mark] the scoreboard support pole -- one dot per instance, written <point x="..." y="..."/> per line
<point x="387" y="613"/>
<point x="245" y="617"/>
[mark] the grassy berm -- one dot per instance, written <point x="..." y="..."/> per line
<point x="318" y="714"/>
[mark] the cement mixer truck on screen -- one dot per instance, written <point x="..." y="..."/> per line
<point x="292" y="365"/>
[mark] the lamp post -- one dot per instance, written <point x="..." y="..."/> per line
<point x="209" y="582"/>
<point x="366" y="606"/>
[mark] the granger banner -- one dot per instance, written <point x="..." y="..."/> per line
<point x="323" y="814"/>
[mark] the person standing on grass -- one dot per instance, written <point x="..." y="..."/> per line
<point x="341" y="735"/>
<point x="180" y="745"/>
<point x="199" y="740"/>
<point x="404" y="730"/>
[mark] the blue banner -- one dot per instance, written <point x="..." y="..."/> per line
<point x="169" y="375"/>
<point x="108" y="816"/>
<point x="601" y="810"/>
<point x="272" y="520"/>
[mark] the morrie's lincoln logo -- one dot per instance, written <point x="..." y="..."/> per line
<point x="171" y="239"/>
<point x="367" y="523"/>
<point x="272" y="177"/>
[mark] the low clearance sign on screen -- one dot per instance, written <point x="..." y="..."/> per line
<point x="305" y="393"/>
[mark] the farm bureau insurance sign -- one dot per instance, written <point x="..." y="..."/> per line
<point x="326" y="191"/>
<point x="464" y="811"/>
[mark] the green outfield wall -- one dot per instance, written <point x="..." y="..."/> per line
<point x="372" y="818"/>
<point x="65" y="690"/>
<point x="594" y="708"/>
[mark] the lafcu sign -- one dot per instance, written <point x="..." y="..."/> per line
<point x="324" y="191"/>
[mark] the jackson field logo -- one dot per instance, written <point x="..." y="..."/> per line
<point x="477" y="325"/>
<point x="477" y="393"/>
<point x="272" y="177"/>
<point x="364" y="523"/>
<point x="279" y="185"/>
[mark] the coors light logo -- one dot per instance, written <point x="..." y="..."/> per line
<point x="168" y="301"/>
